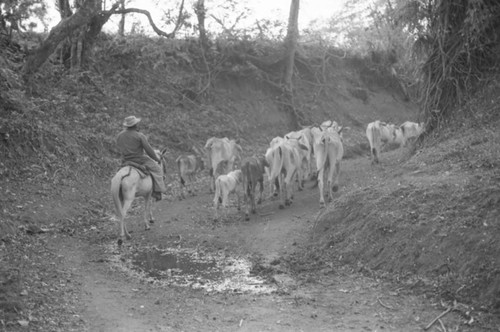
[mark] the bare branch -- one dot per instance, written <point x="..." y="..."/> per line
<point x="237" y="20"/>
<point x="158" y="31"/>
<point x="180" y="19"/>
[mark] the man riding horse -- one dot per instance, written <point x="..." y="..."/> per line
<point x="134" y="148"/>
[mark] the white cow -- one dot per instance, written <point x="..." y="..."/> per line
<point x="273" y="185"/>
<point x="328" y="153"/>
<point x="329" y="124"/>
<point x="284" y="161"/>
<point x="302" y="137"/>
<point x="408" y="130"/>
<point x="379" y="133"/>
<point x="221" y="150"/>
<point x="225" y="185"/>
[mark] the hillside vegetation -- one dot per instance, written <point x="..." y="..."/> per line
<point x="430" y="220"/>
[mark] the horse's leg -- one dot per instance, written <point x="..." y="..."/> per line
<point x="212" y="184"/>
<point x="148" y="211"/>
<point x="254" y="209"/>
<point x="189" y="186"/>
<point x="246" y="202"/>
<point x="127" y="202"/>
<point x="281" y="186"/>
<point x="330" y="182"/>
<point x="181" y="195"/>
<point x="216" y="212"/>
<point x="225" y="204"/>
<point x="321" y="186"/>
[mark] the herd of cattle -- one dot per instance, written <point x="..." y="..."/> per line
<point x="288" y="162"/>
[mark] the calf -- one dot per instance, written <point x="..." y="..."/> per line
<point x="221" y="150"/>
<point x="252" y="170"/>
<point x="379" y="133"/>
<point x="225" y="185"/>
<point x="328" y="153"/>
<point x="188" y="166"/>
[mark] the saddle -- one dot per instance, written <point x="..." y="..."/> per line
<point x="143" y="170"/>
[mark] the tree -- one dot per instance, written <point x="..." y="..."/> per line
<point x="14" y="14"/>
<point x="82" y="28"/>
<point x="121" y="25"/>
<point x="64" y="29"/>
<point x="447" y="46"/>
<point x="462" y="38"/>
<point x="201" y="14"/>
<point x="289" y="64"/>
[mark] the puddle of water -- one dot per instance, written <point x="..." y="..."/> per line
<point x="213" y="272"/>
<point x="158" y="264"/>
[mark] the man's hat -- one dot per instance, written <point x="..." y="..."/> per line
<point x="131" y="121"/>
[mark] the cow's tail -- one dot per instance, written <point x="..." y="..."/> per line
<point x="247" y="179"/>
<point x="179" y="161"/>
<point x="318" y="169"/>
<point x="116" y="192"/>
<point x="375" y="131"/>
<point x="277" y="164"/>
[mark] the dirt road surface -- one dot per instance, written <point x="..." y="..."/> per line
<point x="116" y="297"/>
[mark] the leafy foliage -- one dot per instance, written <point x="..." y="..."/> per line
<point x="463" y="46"/>
<point x="440" y="49"/>
<point x="14" y="13"/>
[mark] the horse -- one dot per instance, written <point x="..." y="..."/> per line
<point x="130" y="182"/>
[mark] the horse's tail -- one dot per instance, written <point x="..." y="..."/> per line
<point x="116" y="192"/>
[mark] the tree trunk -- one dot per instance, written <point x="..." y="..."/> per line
<point x="65" y="48"/>
<point x="82" y="28"/>
<point x="290" y="49"/>
<point x="91" y="32"/>
<point x="64" y="9"/>
<point x="121" y="25"/>
<point x="60" y="32"/>
<point x="201" y="14"/>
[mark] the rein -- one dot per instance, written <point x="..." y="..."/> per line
<point x="128" y="174"/>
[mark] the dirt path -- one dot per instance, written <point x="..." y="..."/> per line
<point x="115" y="299"/>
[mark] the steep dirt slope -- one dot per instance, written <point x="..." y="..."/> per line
<point x="437" y="210"/>
<point x="430" y="220"/>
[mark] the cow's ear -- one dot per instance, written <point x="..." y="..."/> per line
<point x="196" y="150"/>
<point x="208" y="145"/>
<point x="303" y="147"/>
